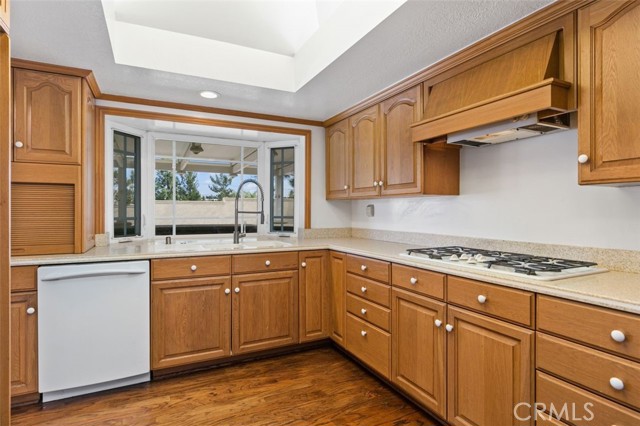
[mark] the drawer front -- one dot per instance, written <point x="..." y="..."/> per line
<point x="188" y="267"/>
<point x="369" y="344"/>
<point x="506" y="303"/>
<point x="590" y="325"/>
<point x="23" y="278"/>
<point x="601" y="411"/>
<point x="375" y="314"/>
<point x="369" y="268"/>
<point x="369" y="289"/>
<point x="589" y="368"/>
<point x="424" y="282"/>
<point x="265" y="262"/>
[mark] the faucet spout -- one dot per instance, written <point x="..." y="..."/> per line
<point x="236" y="226"/>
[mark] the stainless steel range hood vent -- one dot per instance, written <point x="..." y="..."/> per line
<point x="523" y="127"/>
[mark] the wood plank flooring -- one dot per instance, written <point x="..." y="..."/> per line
<point x="317" y="387"/>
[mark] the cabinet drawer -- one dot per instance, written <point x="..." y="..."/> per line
<point x="369" y="289"/>
<point x="370" y="344"/>
<point x="375" y="314"/>
<point x="512" y="305"/>
<point x="23" y="278"/>
<point x="370" y="268"/>
<point x="589" y="368"/>
<point x="424" y="282"/>
<point x="265" y="262"/>
<point x="550" y="390"/>
<point x="590" y="325"/>
<point x="188" y="267"/>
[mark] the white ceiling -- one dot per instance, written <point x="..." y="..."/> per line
<point x="419" y="33"/>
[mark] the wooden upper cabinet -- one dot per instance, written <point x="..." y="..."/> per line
<point x="609" y="64"/>
<point x="338" y="292"/>
<point x="489" y="370"/>
<point x="47" y="117"/>
<point x="337" y="160"/>
<point x="24" y="344"/>
<point x="4" y="15"/>
<point x="401" y="159"/>
<point x="364" y="161"/>
<point x="314" y="297"/>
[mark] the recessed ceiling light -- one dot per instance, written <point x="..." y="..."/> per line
<point x="209" y="94"/>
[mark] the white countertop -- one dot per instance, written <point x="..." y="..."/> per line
<point x="617" y="290"/>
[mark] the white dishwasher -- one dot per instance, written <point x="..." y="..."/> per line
<point x="93" y="327"/>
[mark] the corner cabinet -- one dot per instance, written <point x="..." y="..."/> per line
<point x="609" y="60"/>
<point x="52" y="178"/>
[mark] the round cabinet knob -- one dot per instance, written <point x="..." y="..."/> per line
<point x="482" y="298"/>
<point x="346" y="187"/>
<point x="194" y="268"/>
<point x="363" y="333"/>
<point x="583" y="158"/>
<point x="19" y="144"/>
<point x="380" y="183"/>
<point x="413" y="280"/>
<point x="438" y="323"/>
<point x="303" y="264"/>
<point x="363" y="289"/>
<point x="449" y="328"/>
<point x="31" y="311"/>
<point x="227" y="291"/>
<point x="237" y="289"/>
<point x="267" y="263"/>
<point x="363" y="268"/>
<point x="616" y="383"/>
<point x="363" y="311"/>
<point x="375" y="183"/>
<point x="618" y="336"/>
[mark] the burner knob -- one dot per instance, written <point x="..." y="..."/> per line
<point x="482" y="299"/>
<point x="618" y="336"/>
<point x="471" y="260"/>
<point x="464" y="256"/>
<point x="479" y="257"/>
<point x="454" y="257"/>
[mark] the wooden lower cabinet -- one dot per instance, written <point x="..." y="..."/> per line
<point x="418" y="349"/>
<point x="489" y="370"/>
<point x="190" y="321"/>
<point x="24" y="343"/>
<point x="265" y="311"/>
<point x="338" y="291"/>
<point x="313" y="289"/>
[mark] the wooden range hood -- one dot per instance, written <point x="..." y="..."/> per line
<point x="522" y="81"/>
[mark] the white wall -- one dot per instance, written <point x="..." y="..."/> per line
<point x="525" y="191"/>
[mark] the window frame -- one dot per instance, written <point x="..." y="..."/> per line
<point x="299" y="174"/>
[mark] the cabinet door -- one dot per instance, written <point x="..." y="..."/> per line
<point x="338" y="291"/>
<point x="418" y="351"/>
<point x="47" y="117"/>
<point x="489" y="370"/>
<point x="190" y="321"/>
<point x="364" y="135"/>
<point x="24" y="343"/>
<point x="314" y="289"/>
<point x="609" y="60"/>
<point x="265" y="311"/>
<point x="337" y="161"/>
<point x="401" y="159"/>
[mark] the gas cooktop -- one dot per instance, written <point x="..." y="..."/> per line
<point x="502" y="262"/>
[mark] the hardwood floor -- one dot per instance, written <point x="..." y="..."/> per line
<point x="317" y="387"/>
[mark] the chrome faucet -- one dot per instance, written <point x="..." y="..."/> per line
<point x="236" y="231"/>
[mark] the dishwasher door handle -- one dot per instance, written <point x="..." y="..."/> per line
<point x="89" y="274"/>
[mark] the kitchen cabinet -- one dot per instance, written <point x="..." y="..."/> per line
<point x="265" y="311"/>
<point x="314" y="295"/>
<point x="337" y="161"/>
<point x="489" y="369"/>
<point x="24" y="343"/>
<point x="52" y="177"/>
<point x="364" y="167"/>
<point x="608" y="63"/>
<point x="337" y="291"/>
<point x="191" y="321"/>
<point x="4" y="15"/>
<point x="418" y="349"/>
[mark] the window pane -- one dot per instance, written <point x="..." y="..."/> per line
<point x="126" y="185"/>
<point x="196" y="185"/>
<point x="282" y="189"/>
